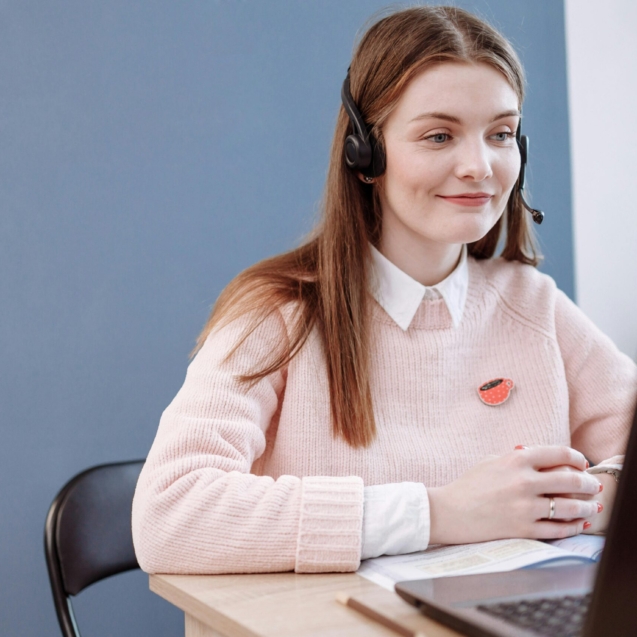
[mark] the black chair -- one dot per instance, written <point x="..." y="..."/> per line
<point x="87" y="535"/>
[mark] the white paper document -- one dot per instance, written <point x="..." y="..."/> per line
<point x="590" y="546"/>
<point x="484" y="557"/>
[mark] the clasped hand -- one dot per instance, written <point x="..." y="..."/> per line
<point x="509" y="496"/>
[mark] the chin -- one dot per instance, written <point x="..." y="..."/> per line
<point x="471" y="231"/>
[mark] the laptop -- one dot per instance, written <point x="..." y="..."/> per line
<point x="567" y="601"/>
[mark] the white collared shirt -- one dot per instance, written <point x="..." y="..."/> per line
<point x="396" y="516"/>
<point x="400" y="295"/>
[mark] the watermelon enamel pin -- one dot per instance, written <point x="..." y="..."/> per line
<point x="496" y="391"/>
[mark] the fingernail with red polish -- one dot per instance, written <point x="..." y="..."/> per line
<point x="521" y="447"/>
<point x="600" y="507"/>
<point x="588" y="464"/>
<point x="601" y="487"/>
<point x="587" y="525"/>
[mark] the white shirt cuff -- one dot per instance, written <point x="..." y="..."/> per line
<point x="616" y="462"/>
<point x="395" y="519"/>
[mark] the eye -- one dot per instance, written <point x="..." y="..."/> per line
<point x="439" y="138"/>
<point x="502" y="136"/>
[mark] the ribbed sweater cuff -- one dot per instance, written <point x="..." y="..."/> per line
<point x="330" y="527"/>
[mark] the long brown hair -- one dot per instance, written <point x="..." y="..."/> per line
<point x="326" y="278"/>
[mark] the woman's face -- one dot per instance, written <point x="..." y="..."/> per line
<point x="452" y="158"/>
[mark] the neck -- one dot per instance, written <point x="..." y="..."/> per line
<point x="428" y="263"/>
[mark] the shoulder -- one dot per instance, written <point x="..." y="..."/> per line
<point x="514" y="278"/>
<point x="520" y="290"/>
<point x="249" y="339"/>
<point x="270" y="321"/>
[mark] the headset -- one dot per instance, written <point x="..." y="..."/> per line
<point x="365" y="155"/>
<point x="523" y="145"/>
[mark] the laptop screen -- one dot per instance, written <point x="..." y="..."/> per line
<point x="613" y="609"/>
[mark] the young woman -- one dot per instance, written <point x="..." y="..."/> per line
<point x="390" y="384"/>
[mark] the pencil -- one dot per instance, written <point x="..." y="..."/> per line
<point x="346" y="600"/>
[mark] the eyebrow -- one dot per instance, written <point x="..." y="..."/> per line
<point x="456" y="120"/>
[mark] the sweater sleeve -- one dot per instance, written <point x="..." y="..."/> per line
<point x="197" y="508"/>
<point x="602" y="384"/>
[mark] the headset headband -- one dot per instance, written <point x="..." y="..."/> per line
<point x="354" y="115"/>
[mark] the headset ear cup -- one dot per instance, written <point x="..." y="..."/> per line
<point x="358" y="154"/>
<point x="378" y="160"/>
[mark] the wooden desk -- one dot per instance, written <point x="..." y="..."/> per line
<point x="284" y="604"/>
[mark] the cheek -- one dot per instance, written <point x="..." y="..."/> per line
<point x="413" y="171"/>
<point x="508" y="171"/>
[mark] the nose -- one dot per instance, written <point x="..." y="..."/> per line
<point x="474" y="161"/>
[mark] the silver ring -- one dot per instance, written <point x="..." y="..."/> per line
<point x="551" y="508"/>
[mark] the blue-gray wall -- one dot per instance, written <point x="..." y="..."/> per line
<point x="149" y="152"/>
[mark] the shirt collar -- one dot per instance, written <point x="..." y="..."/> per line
<point x="400" y="295"/>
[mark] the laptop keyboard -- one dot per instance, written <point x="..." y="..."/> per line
<point x="551" y="617"/>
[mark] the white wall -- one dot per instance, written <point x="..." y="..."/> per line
<point x="602" y="67"/>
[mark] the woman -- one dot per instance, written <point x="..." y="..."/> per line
<point x="389" y="384"/>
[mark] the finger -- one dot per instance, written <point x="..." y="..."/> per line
<point x="546" y="457"/>
<point x="562" y="467"/>
<point x="567" y="509"/>
<point x="579" y="496"/>
<point x="545" y="530"/>
<point x="568" y="482"/>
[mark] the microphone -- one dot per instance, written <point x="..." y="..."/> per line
<point x="523" y="144"/>
<point x="538" y="215"/>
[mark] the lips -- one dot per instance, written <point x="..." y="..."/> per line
<point x="471" y="199"/>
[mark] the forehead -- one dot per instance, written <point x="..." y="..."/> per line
<point x="465" y="90"/>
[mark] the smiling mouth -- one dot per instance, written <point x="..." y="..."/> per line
<point x="473" y="200"/>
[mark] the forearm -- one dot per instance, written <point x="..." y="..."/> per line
<point x="441" y="518"/>
<point x="211" y="521"/>
<point x="448" y="525"/>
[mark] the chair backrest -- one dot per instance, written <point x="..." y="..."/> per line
<point x="88" y="534"/>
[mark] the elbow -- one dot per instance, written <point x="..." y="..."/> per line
<point x="171" y="536"/>
<point x="149" y="547"/>
<point x="157" y="530"/>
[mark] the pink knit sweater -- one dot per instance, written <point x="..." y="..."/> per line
<point x="252" y="480"/>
